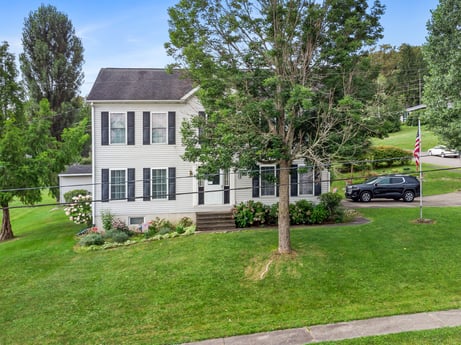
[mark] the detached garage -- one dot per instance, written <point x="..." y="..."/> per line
<point x="75" y="177"/>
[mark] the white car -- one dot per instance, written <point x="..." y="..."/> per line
<point x="442" y="151"/>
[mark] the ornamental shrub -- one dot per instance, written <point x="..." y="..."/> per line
<point x="93" y="238"/>
<point x="76" y="192"/>
<point x="300" y="212"/>
<point x="250" y="213"/>
<point x="319" y="214"/>
<point x="79" y="211"/>
<point x="117" y="236"/>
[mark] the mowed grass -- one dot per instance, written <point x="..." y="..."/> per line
<point x="405" y="139"/>
<point x="443" y="336"/>
<point x="214" y="285"/>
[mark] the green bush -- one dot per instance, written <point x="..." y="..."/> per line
<point x="251" y="213"/>
<point x="73" y="193"/>
<point x="91" y="239"/>
<point x="115" y="235"/>
<point x="159" y="226"/>
<point x="319" y="214"/>
<point x="107" y="219"/>
<point x="300" y="212"/>
<point x="387" y="156"/>
<point x="273" y="214"/>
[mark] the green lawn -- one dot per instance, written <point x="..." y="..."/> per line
<point x="213" y="285"/>
<point x="406" y="137"/>
<point x="444" y="336"/>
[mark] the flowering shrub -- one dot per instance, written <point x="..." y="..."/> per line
<point x="79" y="211"/>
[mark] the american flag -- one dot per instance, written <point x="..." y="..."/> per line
<point x="417" y="149"/>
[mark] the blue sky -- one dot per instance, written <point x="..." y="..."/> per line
<point x="122" y="33"/>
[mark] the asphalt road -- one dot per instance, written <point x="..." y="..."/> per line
<point x="446" y="162"/>
<point x="450" y="199"/>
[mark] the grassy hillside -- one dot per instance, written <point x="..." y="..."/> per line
<point x="405" y="139"/>
<point x="214" y="285"/>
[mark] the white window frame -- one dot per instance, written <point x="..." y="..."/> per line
<point x="124" y="114"/>
<point x="165" y="123"/>
<point x="262" y="182"/>
<point x="300" y="182"/>
<point x="111" y="185"/>
<point x="132" y="218"/>
<point x="153" y="193"/>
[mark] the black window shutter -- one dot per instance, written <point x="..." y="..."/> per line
<point x="277" y="180"/>
<point x="255" y="186"/>
<point x="130" y="120"/>
<point x="105" y="128"/>
<point x="171" y="128"/>
<point x="131" y="184"/>
<point x="105" y="185"/>
<point x="294" y="180"/>
<point x="171" y="183"/>
<point x="146" y="184"/>
<point x="146" y="128"/>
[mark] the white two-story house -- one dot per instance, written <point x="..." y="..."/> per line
<point x="138" y="173"/>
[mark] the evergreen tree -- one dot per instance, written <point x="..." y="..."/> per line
<point x="52" y="62"/>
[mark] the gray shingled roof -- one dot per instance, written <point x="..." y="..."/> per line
<point x="139" y="84"/>
<point x="78" y="169"/>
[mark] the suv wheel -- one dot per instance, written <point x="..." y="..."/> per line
<point x="365" y="196"/>
<point x="408" y="196"/>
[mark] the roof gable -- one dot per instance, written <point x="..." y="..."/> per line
<point x="139" y="84"/>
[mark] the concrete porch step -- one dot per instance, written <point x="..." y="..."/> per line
<point x="212" y="221"/>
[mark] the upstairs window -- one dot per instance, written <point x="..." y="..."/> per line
<point x="159" y="128"/>
<point x="117" y="128"/>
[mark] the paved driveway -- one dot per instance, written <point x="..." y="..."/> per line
<point x="450" y="199"/>
<point x="444" y="162"/>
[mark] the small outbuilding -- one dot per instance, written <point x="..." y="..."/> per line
<point x="77" y="176"/>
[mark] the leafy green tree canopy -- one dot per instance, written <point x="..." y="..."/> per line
<point x="30" y="156"/>
<point x="276" y="80"/>
<point x="443" y="84"/>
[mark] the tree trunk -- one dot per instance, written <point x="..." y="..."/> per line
<point x="284" y="208"/>
<point x="7" y="232"/>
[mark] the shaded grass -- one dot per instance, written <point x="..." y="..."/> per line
<point x="444" y="336"/>
<point x="210" y="285"/>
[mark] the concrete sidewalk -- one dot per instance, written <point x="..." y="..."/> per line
<point x="345" y="330"/>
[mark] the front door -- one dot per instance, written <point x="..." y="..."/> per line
<point x="214" y="189"/>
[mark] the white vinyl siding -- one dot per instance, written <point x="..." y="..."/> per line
<point x="117" y="128"/>
<point x="159" y="128"/>
<point x="118" y="184"/>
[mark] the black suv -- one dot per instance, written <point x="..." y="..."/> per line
<point x="395" y="187"/>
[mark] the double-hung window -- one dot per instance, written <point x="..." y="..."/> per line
<point x="118" y="184"/>
<point x="268" y="180"/>
<point x="305" y="180"/>
<point x="159" y="128"/>
<point x="159" y="183"/>
<point x="117" y="128"/>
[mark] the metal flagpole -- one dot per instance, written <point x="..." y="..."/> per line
<point x="420" y="172"/>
